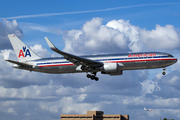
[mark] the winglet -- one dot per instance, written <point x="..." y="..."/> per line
<point x="50" y="43"/>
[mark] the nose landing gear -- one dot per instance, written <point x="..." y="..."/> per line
<point x="93" y="76"/>
<point x="164" y="71"/>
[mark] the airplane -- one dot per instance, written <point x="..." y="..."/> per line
<point x="148" y="109"/>
<point x="110" y="64"/>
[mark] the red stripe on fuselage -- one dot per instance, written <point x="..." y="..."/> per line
<point x="120" y="61"/>
<point x="56" y="65"/>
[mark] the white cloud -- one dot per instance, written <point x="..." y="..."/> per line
<point x="149" y="86"/>
<point x="173" y="80"/>
<point x="162" y="38"/>
<point x="159" y="75"/>
<point x="11" y="110"/>
<point x="39" y="50"/>
<point x="8" y="27"/>
<point x="7" y="54"/>
<point x="95" y="37"/>
<point x="120" y="35"/>
<point x="130" y="31"/>
<point x="47" y="29"/>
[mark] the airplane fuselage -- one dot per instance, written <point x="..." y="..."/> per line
<point x="115" y="63"/>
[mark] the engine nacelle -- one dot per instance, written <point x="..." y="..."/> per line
<point x="111" y="67"/>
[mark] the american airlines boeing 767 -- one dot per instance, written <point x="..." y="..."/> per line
<point x="111" y="64"/>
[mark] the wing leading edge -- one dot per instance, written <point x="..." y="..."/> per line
<point x="87" y="63"/>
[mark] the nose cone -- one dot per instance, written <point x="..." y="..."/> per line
<point x="170" y="61"/>
<point x="175" y="60"/>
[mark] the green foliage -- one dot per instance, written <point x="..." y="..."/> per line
<point x="167" y="119"/>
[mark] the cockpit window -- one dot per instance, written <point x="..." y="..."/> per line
<point x="170" y="55"/>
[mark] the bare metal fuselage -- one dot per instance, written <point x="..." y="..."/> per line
<point x="129" y="61"/>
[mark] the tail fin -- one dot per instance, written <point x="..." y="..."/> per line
<point x="22" y="51"/>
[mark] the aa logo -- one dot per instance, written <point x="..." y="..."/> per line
<point x="24" y="50"/>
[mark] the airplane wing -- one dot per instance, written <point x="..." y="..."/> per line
<point x="75" y="59"/>
<point x="19" y="63"/>
<point x="148" y="109"/>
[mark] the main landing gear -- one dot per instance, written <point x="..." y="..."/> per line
<point x="93" y="76"/>
<point x="164" y="71"/>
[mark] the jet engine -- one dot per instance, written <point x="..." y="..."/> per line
<point x="112" y="68"/>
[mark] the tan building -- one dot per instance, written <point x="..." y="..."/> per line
<point x="94" y="115"/>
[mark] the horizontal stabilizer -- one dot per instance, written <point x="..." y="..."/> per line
<point x="19" y="63"/>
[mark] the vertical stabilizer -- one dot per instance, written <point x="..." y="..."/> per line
<point x="23" y="52"/>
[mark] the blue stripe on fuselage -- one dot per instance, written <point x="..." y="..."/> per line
<point x="100" y="60"/>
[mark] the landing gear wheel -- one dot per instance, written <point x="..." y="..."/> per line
<point x="96" y="78"/>
<point x="93" y="76"/>
<point x="88" y="76"/>
<point x="163" y="73"/>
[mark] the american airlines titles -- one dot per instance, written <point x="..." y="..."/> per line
<point x="142" y="55"/>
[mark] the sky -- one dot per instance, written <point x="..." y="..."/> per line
<point x="90" y="27"/>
